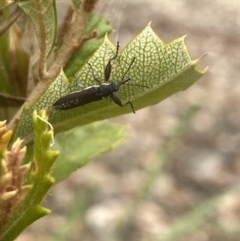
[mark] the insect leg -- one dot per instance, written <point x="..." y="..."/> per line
<point x="116" y="99"/>
<point x="94" y="75"/>
<point x="108" y="68"/>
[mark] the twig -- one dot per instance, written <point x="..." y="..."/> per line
<point x="9" y="100"/>
<point x="66" y="23"/>
<point x="4" y="26"/>
<point x="73" y="37"/>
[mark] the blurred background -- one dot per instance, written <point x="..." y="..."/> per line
<point x="177" y="175"/>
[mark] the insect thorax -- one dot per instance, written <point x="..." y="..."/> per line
<point x="107" y="88"/>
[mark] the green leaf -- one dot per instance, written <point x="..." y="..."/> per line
<point x="164" y="68"/>
<point x="80" y="145"/>
<point x="5" y="84"/>
<point x="95" y="23"/>
<point x="38" y="178"/>
<point x="14" y="62"/>
<point x="43" y="15"/>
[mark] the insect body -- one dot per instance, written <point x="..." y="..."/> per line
<point x="96" y="92"/>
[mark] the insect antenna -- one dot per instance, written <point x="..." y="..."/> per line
<point x="129" y="67"/>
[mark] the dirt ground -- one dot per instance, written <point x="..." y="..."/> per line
<point x="169" y="180"/>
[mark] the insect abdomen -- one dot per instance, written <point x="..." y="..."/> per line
<point x="78" y="98"/>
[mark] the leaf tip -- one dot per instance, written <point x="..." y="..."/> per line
<point x="149" y="24"/>
<point x="203" y="55"/>
<point x="196" y="62"/>
<point x="106" y="37"/>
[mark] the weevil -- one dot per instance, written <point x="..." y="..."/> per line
<point x="97" y="92"/>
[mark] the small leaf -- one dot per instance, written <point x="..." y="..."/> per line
<point x="43" y="16"/>
<point x="38" y="182"/>
<point x="5" y="70"/>
<point x="164" y="68"/>
<point x="80" y="145"/>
